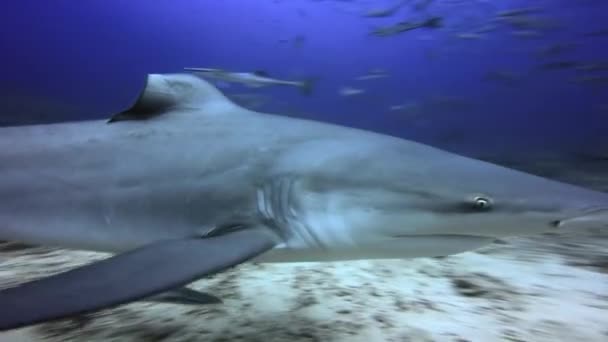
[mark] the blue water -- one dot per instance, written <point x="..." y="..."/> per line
<point x="74" y="60"/>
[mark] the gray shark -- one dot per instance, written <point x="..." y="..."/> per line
<point x="185" y="184"/>
<point x="385" y="12"/>
<point x="255" y="79"/>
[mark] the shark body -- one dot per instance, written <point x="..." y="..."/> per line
<point x="185" y="184"/>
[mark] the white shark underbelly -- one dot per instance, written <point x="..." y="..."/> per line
<point x="403" y="248"/>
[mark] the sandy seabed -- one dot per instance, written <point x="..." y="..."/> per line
<point x="547" y="288"/>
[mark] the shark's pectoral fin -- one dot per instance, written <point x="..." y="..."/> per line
<point x="185" y="296"/>
<point x="134" y="275"/>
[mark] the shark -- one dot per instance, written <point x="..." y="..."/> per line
<point x="385" y="12"/>
<point x="404" y="26"/>
<point x="184" y="184"/>
<point x="255" y="79"/>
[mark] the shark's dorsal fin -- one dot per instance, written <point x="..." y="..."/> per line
<point x="163" y="93"/>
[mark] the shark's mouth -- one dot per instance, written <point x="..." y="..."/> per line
<point x="592" y="218"/>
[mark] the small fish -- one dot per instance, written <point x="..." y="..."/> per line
<point x="350" y="91"/>
<point x="590" y="67"/>
<point x="527" y="34"/>
<point x="373" y="74"/>
<point x="597" y="33"/>
<point x="556" y="49"/>
<point x="593" y="80"/>
<point x="299" y="40"/>
<point x="503" y="76"/>
<point x="404" y="26"/>
<point x="385" y="12"/>
<point x="591" y="156"/>
<point x="406" y="108"/>
<point x="425" y="37"/>
<point x="256" y="79"/>
<point x="422" y="5"/>
<point x="469" y="36"/>
<point x="524" y="22"/>
<point x="559" y="65"/>
<point x="451" y="102"/>
<point x="486" y="29"/>
<point x="517" y="12"/>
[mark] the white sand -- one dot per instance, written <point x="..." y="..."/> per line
<point x="525" y="290"/>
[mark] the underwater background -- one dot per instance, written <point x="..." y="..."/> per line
<point x="481" y="81"/>
<point x="519" y="83"/>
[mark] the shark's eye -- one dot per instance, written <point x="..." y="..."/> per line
<point x="482" y="203"/>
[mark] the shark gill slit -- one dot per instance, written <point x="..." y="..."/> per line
<point x="276" y="205"/>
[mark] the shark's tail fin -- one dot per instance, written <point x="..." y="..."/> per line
<point x="306" y="86"/>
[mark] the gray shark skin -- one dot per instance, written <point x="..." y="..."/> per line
<point x="188" y="184"/>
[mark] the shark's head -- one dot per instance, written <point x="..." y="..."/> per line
<point x="407" y="199"/>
